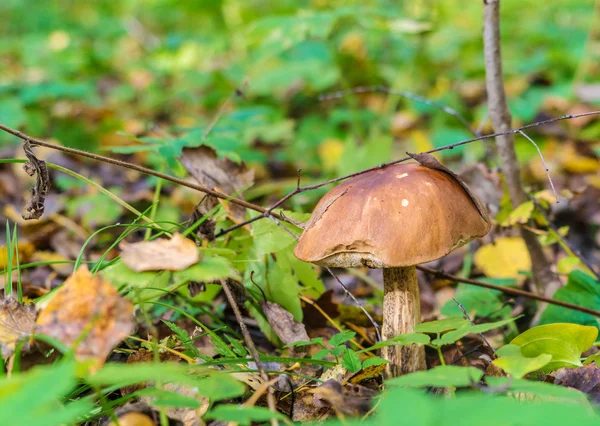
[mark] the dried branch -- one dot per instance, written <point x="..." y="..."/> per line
<point x="34" y="166"/>
<point x="509" y="291"/>
<point x="543" y="277"/>
<point x="132" y="166"/>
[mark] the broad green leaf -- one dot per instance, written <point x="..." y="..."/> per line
<point x="581" y="290"/>
<point x="350" y="361"/>
<point x="401" y="340"/>
<point x="443" y="375"/>
<point x="519" y="366"/>
<point x="509" y="350"/>
<point x="592" y="358"/>
<point x="453" y="336"/>
<point x="166" y="398"/>
<point x="439" y="326"/>
<point x="34" y="397"/>
<point x="269" y="237"/>
<point x="565" y="342"/>
<point x="214" y="386"/>
<point x="242" y="415"/>
<point x="536" y="388"/>
<point x="341" y="337"/>
<point x="521" y="214"/>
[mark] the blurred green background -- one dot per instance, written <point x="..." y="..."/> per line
<point x="148" y="76"/>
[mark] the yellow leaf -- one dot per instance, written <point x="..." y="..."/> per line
<point x="88" y="312"/>
<point x="504" y="259"/>
<point x="519" y="215"/>
<point x="26" y="249"/>
<point x="330" y="152"/>
<point x="568" y="264"/>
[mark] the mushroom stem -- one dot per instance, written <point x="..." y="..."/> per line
<point x="401" y="312"/>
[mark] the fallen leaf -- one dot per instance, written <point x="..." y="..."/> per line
<point x="89" y="309"/>
<point x="134" y="419"/>
<point x="283" y="324"/>
<point x="220" y="174"/>
<point x="17" y="322"/>
<point x="175" y="254"/>
<point x="504" y="259"/>
<point x="26" y="249"/>
<point x="585" y="379"/>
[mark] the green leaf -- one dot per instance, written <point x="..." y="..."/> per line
<point x="565" y="342"/>
<point x="350" y="361"/>
<point x="536" y="388"/>
<point x="401" y="340"/>
<point x="439" y="326"/>
<point x="34" y="397"/>
<point x="373" y="361"/>
<point x="166" y="398"/>
<point x="183" y="337"/>
<point x="269" y="237"/>
<point x="209" y="269"/>
<point x="341" y="337"/>
<point x="519" y="366"/>
<point x="321" y="354"/>
<point x="468" y="328"/>
<point x="581" y="290"/>
<point x="242" y="415"/>
<point x="315" y="341"/>
<point x="214" y="386"/>
<point x="443" y="375"/>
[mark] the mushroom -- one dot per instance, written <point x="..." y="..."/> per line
<point x="394" y="218"/>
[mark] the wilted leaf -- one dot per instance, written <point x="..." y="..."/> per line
<point x="585" y="379"/>
<point x="504" y="259"/>
<point x="221" y="174"/>
<point x="87" y="307"/>
<point x="565" y="342"/>
<point x="283" y="324"/>
<point x="17" y="322"/>
<point x="175" y="254"/>
<point x="443" y="375"/>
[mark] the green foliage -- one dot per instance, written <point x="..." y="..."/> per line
<point x="35" y="397"/>
<point x="581" y="290"/>
<point x="564" y="342"/>
<point x="242" y="415"/>
<point x="443" y="375"/>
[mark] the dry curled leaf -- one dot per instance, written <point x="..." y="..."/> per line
<point x="175" y="254"/>
<point x="283" y="324"/>
<point x="17" y="322"/>
<point x="89" y="309"/>
<point x="221" y="174"/>
<point x="585" y="379"/>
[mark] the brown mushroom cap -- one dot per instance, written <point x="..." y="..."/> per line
<point x="401" y="215"/>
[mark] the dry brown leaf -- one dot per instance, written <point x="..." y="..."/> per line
<point x="283" y="324"/>
<point x="218" y="173"/>
<point x="87" y="307"/>
<point x="585" y="379"/>
<point x="175" y="254"/>
<point x="17" y="322"/>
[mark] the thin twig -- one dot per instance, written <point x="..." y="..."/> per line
<point x="132" y="166"/>
<point x="251" y="347"/>
<point x="544" y="163"/>
<point x="301" y="189"/>
<point x="509" y="291"/>
<point x="468" y="318"/>
<point x="571" y="247"/>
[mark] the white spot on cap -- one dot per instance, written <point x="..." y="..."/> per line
<point x="404" y="202"/>
<point x="403" y="175"/>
